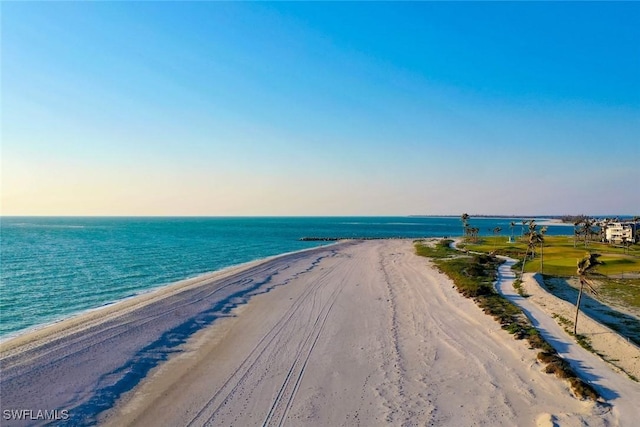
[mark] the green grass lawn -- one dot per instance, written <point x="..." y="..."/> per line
<point x="561" y="257"/>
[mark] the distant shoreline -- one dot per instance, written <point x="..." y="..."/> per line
<point x="497" y="216"/>
<point x="518" y="216"/>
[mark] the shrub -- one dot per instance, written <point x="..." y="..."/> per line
<point x="583" y="390"/>
<point x="536" y="341"/>
<point x="547" y="357"/>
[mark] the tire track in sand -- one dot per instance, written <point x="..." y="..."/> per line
<point x="278" y="412"/>
<point x="246" y="368"/>
<point x="270" y="351"/>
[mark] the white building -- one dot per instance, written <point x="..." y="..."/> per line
<point x="616" y="231"/>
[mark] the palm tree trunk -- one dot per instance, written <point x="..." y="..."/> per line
<point x="575" y="323"/>
<point x="524" y="260"/>
<point x="541" y="257"/>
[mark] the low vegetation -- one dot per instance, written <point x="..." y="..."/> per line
<point x="441" y="249"/>
<point x="585" y="342"/>
<point x="517" y="284"/>
<point x="561" y="369"/>
<point x="620" y="290"/>
<point x="561" y="253"/>
<point x="473" y="276"/>
<point x="581" y="339"/>
<point x="614" y="306"/>
<point x="617" y="280"/>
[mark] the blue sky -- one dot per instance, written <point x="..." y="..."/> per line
<point x="174" y="108"/>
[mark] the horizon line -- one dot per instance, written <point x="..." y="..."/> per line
<point x="318" y="216"/>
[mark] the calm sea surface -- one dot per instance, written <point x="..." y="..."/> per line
<point x="52" y="268"/>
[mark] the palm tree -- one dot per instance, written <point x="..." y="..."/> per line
<point x="543" y="231"/>
<point x="576" y="231"/>
<point x="531" y="246"/>
<point x="625" y="243"/>
<point x="587" y="229"/>
<point x="512" y="226"/>
<point x="465" y="224"/>
<point x="524" y="222"/>
<point x="604" y="224"/>
<point x="586" y="266"/>
<point x="636" y="232"/>
<point x="475" y="232"/>
<point x="532" y="236"/>
<point x="496" y="231"/>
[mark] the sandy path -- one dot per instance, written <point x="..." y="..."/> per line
<point x="367" y="335"/>
<point x="620" y="391"/>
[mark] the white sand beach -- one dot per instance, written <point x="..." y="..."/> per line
<point x="357" y="333"/>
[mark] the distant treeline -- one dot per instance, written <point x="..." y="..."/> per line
<point x="488" y="216"/>
<point x="573" y="219"/>
<point x="570" y="219"/>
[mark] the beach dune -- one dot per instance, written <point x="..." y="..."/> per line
<point x="356" y="333"/>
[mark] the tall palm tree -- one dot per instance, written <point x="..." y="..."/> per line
<point x="531" y="245"/>
<point x="576" y="231"/>
<point x="472" y="233"/>
<point x="586" y="266"/>
<point x="625" y="243"/>
<point x="587" y="229"/>
<point x="531" y="233"/>
<point x="496" y="232"/>
<point x="465" y="224"/>
<point x="540" y="239"/>
<point x="604" y="224"/>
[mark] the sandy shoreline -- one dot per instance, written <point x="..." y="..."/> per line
<point x="358" y="333"/>
<point x="83" y="364"/>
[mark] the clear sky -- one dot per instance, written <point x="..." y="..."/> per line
<point x="203" y="108"/>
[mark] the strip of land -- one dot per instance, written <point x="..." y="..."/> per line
<point x="357" y="333"/>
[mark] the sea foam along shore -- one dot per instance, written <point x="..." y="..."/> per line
<point x="356" y="333"/>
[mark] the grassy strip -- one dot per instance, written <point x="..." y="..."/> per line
<point x="585" y="342"/>
<point x="474" y="276"/>
<point x="560" y="255"/>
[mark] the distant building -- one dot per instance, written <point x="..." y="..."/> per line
<point x="616" y="231"/>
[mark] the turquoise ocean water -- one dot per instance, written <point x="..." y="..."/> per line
<point x="52" y="268"/>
